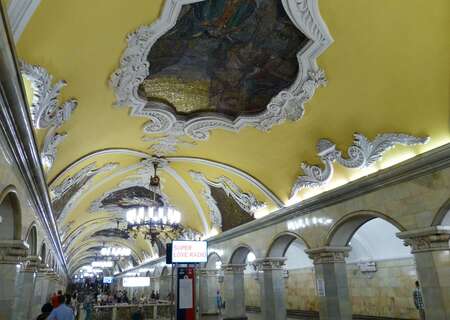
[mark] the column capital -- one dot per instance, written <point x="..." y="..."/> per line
<point x="13" y="251"/>
<point x="427" y="239"/>
<point x="208" y="272"/>
<point x="325" y="255"/>
<point x="270" y="263"/>
<point x="31" y="264"/>
<point x="233" y="268"/>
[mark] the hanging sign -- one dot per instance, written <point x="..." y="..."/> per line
<point x="189" y="251"/>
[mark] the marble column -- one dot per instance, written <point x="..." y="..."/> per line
<point x="12" y="255"/>
<point x="331" y="282"/>
<point x="25" y="283"/>
<point x="234" y="292"/>
<point x="208" y="291"/>
<point x="40" y="291"/>
<point x="431" y="250"/>
<point x="273" y="304"/>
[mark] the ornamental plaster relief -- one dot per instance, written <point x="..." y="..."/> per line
<point x="362" y="153"/>
<point x="286" y="105"/>
<point x="247" y="201"/>
<point x="76" y="185"/>
<point x="46" y="111"/>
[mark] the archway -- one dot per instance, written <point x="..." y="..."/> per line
<point x="214" y="261"/>
<point x="31" y="240"/>
<point x="443" y="215"/>
<point x="10" y="213"/>
<point x="379" y="265"/>
<point x="299" y="273"/>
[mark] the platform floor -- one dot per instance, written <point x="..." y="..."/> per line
<point x="250" y="315"/>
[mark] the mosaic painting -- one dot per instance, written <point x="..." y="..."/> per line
<point x="130" y="197"/>
<point x="232" y="214"/>
<point x="112" y="233"/>
<point x="225" y="56"/>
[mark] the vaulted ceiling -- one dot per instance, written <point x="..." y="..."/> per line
<point x="205" y="95"/>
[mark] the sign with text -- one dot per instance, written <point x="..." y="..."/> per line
<point x="107" y="279"/>
<point x="186" y="293"/>
<point x="189" y="251"/>
<point x="136" y="281"/>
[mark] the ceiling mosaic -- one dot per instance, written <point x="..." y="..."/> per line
<point x="229" y="94"/>
<point x="229" y="57"/>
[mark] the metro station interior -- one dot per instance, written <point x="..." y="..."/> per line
<point x="224" y="159"/>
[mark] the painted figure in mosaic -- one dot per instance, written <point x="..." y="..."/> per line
<point x="228" y="56"/>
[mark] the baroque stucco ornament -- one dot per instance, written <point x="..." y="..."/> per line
<point x="286" y="105"/>
<point x="247" y="201"/>
<point x="361" y="154"/>
<point x="46" y="111"/>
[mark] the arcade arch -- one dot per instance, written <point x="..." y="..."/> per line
<point x="11" y="216"/>
<point x="31" y="240"/>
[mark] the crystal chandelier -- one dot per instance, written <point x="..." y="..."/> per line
<point x="152" y="216"/>
<point x="115" y="252"/>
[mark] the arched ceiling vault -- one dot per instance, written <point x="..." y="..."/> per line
<point x="230" y="158"/>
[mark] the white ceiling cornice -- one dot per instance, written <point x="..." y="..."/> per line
<point x="20" y="13"/>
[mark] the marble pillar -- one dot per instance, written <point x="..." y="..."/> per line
<point x="431" y="250"/>
<point x="24" y="286"/>
<point x="41" y="295"/>
<point x="273" y="304"/>
<point x="12" y="255"/>
<point x="234" y="292"/>
<point x="331" y="282"/>
<point x="208" y="291"/>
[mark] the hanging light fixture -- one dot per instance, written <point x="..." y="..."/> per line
<point x="152" y="216"/>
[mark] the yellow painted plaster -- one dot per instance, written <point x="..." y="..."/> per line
<point x="387" y="69"/>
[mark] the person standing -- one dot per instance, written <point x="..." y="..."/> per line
<point x="62" y="312"/>
<point x="418" y="301"/>
<point x="219" y="302"/>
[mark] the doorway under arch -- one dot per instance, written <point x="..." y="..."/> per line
<point x="379" y="265"/>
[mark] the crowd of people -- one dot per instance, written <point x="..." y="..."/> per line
<point x="68" y="306"/>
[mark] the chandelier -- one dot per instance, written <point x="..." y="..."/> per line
<point x="115" y="252"/>
<point x="152" y="217"/>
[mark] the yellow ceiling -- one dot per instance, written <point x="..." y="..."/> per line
<point x="387" y="71"/>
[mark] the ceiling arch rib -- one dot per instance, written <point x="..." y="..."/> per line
<point x="212" y="163"/>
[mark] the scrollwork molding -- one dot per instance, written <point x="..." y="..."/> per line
<point x="286" y="105"/>
<point x="362" y="153"/>
<point x="247" y="201"/>
<point x="45" y="110"/>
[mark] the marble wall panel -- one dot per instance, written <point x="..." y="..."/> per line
<point x="387" y="292"/>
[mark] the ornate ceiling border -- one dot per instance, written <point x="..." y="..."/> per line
<point x="87" y="172"/>
<point x="247" y="201"/>
<point x="362" y="153"/>
<point x="210" y="163"/>
<point x="287" y="105"/>
<point x="20" y="13"/>
<point x="45" y="110"/>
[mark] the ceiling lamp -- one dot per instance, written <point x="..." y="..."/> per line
<point x="153" y="216"/>
<point x="115" y="252"/>
<point x="102" y="264"/>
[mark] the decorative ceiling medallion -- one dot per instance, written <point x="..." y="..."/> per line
<point x="45" y="110"/>
<point x="287" y="104"/>
<point x="361" y="154"/>
<point x="247" y="201"/>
